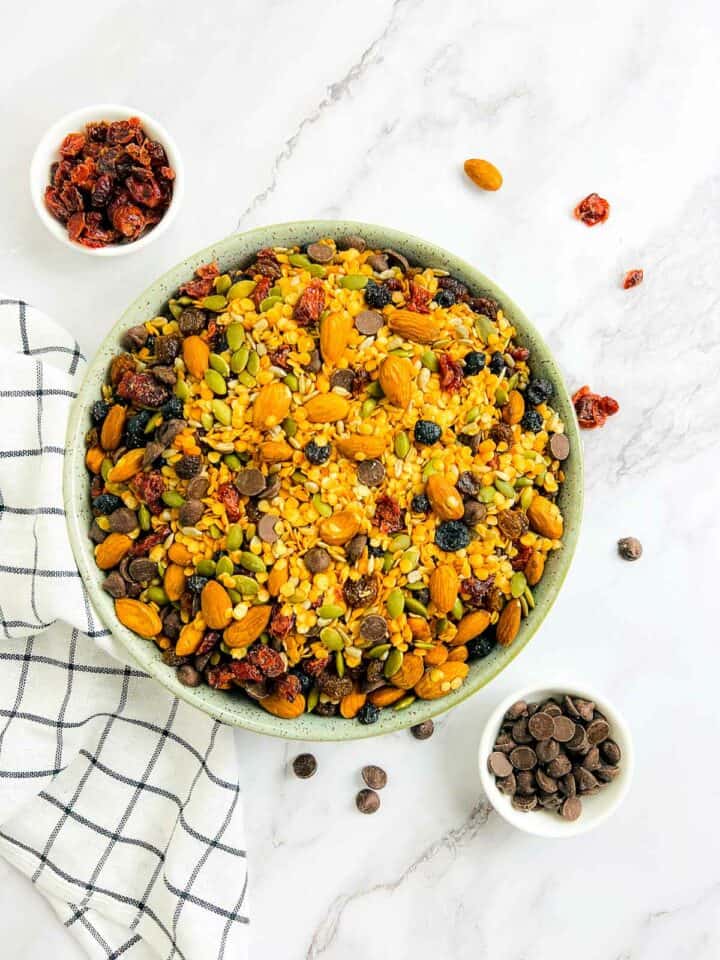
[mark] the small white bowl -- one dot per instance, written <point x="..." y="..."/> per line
<point x="47" y="152"/>
<point x="597" y="808"/>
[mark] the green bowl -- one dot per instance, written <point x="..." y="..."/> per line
<point x="238" y="710"/>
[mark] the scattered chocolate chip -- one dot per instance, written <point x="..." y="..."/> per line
<point x="304" y="765"/>
<point x="607" y="772"/>
<point x="551" y="709"/>
<point x="374" y="777"/>
<point x="317" y="560"/>
<point x="141" y="570"/>
<point x="541" y="725"/>
<point x="578" y="743"/>
<point x="559" y="446"/>
<point x="266" y="528"/>
<point x="424" y="730"/>
<point x="343" y="379"/>
<point x="571" y="808"/>
<point x="320" y="252"/>
<point x="250" y="482"/>
<point x="368" y="322"/>
<point x="584" y="779"/>
<point x="630" y="548"/>
<point x="591" y="760"/>
<point x="373" y="628"/>
<point x="273" y="487"/>
<point x="371" y="473"/>
<point x="570" y="708"/>
<point x="499" y="765"/>
<point x="563" y="729"/>
<point x="188" y="675"/>
<point x="597" y="731"/>
<point x="567" y="785"/>
<point x="586" y="709"/>
<point x="367" y="801"/>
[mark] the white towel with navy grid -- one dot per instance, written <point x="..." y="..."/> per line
<point x="119" y="802"/>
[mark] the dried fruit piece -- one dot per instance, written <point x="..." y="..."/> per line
<point x="241" y="633"/>
<point x="139" y="617"/>
<point x="396" y="376"/>
<point x="444" y="587"/>
<point x="444" y="497"/>
<point x="326" y="408"/>
<point x="388" y="515"/>
<point x="591" y="409"/>
<point x="418" y="298"/>
<point x="351" y="704"/>
<point x="592" y="210"/>
<point x="142" y="389"/>
<point x="310" y="305"/>
<point x="216" y="605"/>
<point x="509" y="623"/>
<point x="632" y="278"/>
<point x="484" y="174"/>
<point x="451" y="373"/>
<point x="514" y="409"/>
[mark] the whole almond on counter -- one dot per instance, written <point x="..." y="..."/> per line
<point x="484" y="174"/>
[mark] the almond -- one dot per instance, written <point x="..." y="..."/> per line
<point x="216" y="605"/>
<point x="190" y="637"/>
<point x="94" y="459"/>
<point x="514" y="409"/>
<point x="420" y="327"/>
<point x="351" y="704"/>
<point x="545" y="518"/>
<point x="271" y="405"/>
<point x="444" y="497"/>
<point x="439" y="654"/>
<point x="174" y="581"/>
<point x="460" y="653"/>
<point x="276" y="578"/>
<point x="127" y="466"/>
<point x="196" y="355"/>
<point x="484" y="174"/>
<point x="139" y="617"/>
<point x="535" y="567"/>
<point x="110" y="552"/>
<point x="179" y="553"/>
<point x="396" y="376"/>
<point x="275" y="451"/>
<point x="339" y="528"/>
<point x="280" y="707"/>
<point x="384" y="696"/>
<point x="335" y="330"/>
<point x="509" y="623"/>
<point x="112" y="428"/>
<point x="409" y="673"/>
<point x="437" y="682"/>
<point x="241" y="633"/>
<point x="326" y="408"/>
<point x="444" y="587"/>
<point x="471" y="625"/>
<point x="361" y="447"/>
<point x="420" y="628"/>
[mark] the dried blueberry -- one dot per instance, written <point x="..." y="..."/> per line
<point x="377" y="295"/>
<point x="369" y="713"/>
<point x="427" y="432"/>
<point x="99" y="411"/>
<point x="106" y="503"/>
<point x="306" y="682"/>
<point x="467" y="484"/>
<point x="497" y="363"/>
<point x="420" y="503"/>
<point x="480" y="647"/>
<point x="423" y="595"/>
<point x="474" y="363"/>
<point x="539" y="391"/>
<point x="452" y="535"/>
<point x="173" y="409"/>
<point x="135" y="430"/>
<point x="316" y="453"/>
<point x="532" y="421"/>
<point x="444" y="298"/>
<point x="375" y="550"/>
<point x="195" y="583"/>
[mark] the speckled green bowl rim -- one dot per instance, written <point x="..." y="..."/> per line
<point x="237" y="710"/>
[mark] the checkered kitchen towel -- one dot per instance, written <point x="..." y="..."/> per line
<point x="119" y="802"/>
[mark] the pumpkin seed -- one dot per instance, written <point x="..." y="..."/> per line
<point x="331" y="638"/>
<point x="324" y="509"/>
<point x="246" y="585"/>
<point x="524" y="605"/>
<point x="523" y="482"/>
<point x="222" y="412"/>
<point x="222" y="283"/>
<point x="185" y="300"/>
<point x="289" y="426"/>
<point x="105" y="468"/>
<point x="246" y="379"/>
<point x="154" y="420"/>
<point x="205" y="567"/>
<point x="317" y="270"/>
<point x="172" y="499"/>
<point x="486" y="494"/>
<point x="339" y="664"/>
<point x="388" y="562"/>
<point x="418" y="585"/>
<point x="215" y="531"/>
<point x="232" y="461"/>
<point x="219" y="364"/>
<point x="518" y="584"/>
<point x="395" y="603"/>
<point x="248" y="561"/>
<point x="224" y="565"/>
<point x="501" y="396"/>
<point x="367" y="407"/>
<point x="215" y="382"/>
<point x="430" y="361"/>
<point x="353" y="281"/>
<point x="299" y="260"/>
<point x="234" y="537"/>
<point x="405" y="702"/>
<point x="312" y="700"/>
<point x="526" y="497"/>
<point x="378" y="651"/>
<point x="400" y="542"/>
<point x="175" y="308"/>
<point x="235" y="336"/>
<point x="472" y="415"/>
<point x="330" y="611"/>
<point x="215" y="302"/>
<point x="457" y="609"/>
<point x="182" y="391"/>
<point x="239" y="360"/>
<point x="375" y="390"/>
<point x="506" y="489"/>
<point x="401" y="352"/>
<point x="206" y="419"/>
<point x="268" y="303"/>
<point x="528" y="597"/>
<point x="143" y="517"/>
<point x="402" y="445"/>
<point x="234" y="595"/>
<point x="424" y="646"/>
<point x="393" y="663"/>
<point x="292" y="382"/>
<point x="413" y="605"/>
<point x="484" y="326"/>
<point x="157" y="595"/>
<point x="253" y="364"/>
<point x="241" y="290"/>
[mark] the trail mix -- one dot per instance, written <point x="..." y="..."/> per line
<point x="111" y="184"/>
<point x="550" y="755"/>
<point x="326" y="479"/>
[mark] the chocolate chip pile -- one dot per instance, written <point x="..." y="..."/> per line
<point x="549" y="755"/>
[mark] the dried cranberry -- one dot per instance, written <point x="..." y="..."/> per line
<point x="221" y="677"/>
<point x="279" y="357"/>
<point x="208" y="643"/>
<point x="476" y="591"/>
<point x="150" y="488"/>
<point x="128" y="219"/>
<point x="519" y="353"/>
<point x="280" y="624"/>
<point x="520" y="561"/>
<point x="388" y="515"/>
<point x="121" y="131"/>
<point x="592" y="210"/>
<point x="632" y="278"/>
<point x="100" y="193"/>
<point x="76" y="226"/>
<point x="246" y="670"/>
<point x="287" y="686"/>
<point x="310" y="305"/>
<point x="314" y="666"/>
<point x="418" y="298"/>
<point x="361" y="592"/>
<point x="229" y="496"/>
<point x="262" y="288"/>
<point x="591" y="409"/>
<point x="142" y="389"/>
<point x="145" y="544"/>
<point x="268" y="661"/>
<point x="72" y="145"/>
<point x="201" y="287"/>
<point x="451" y="373"/>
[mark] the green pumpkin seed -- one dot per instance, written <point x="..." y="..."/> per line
<point x="339" y="664"/>
<point x="324" y="509"/>
<point x="413" y="605"/>
<point x="402" y="445"/>
<point x="393" y="663"/>
<point x="234" y="594"/>
<point x="525" y="606"/>
<point x="292" y="382"/>
<point x="375" y="390"/>
<point x="441" y="626"/>
<point x="232" y="461"/>
<point x="143" y="517"/>
<point x="299" y="260"/>
<point x="501" y="396"/>
<point x="429" y="469"/>
<point x="219" y="364"/>
<point x="268" y="303"/>
<point x="239" y="360"/>
<point x="526" y="497"/>
<point x="513" y="381"/>
<point x="105" y="468"/>
<point x="215" y="382"/>
<point x="410" y="560"/>
<point x="312" y="700"/>
<point x="206" y="419"/>
<point x="241" y="290"/>
<point x="246" y="380"/>
<point x="331" y="638"/>
<point x="518" y="584"/>
<point x="430" y="361"/>
<point x="405" y="702"/>
<point x="354" y="281"/>
<point x="486" y="494"/>
<point x="472" y="415"/>
<point x="182" y="391"/>
<point x="234" y="537"/>
<point x="154" y="420"/>
<point x="528" y="597"/>
<point x="400" y="542"/>
<point x="206" y="568"/>
<point x="215" y="531"/>
<point x="330" y="611"/>
<point x="484" y="326"/>
<point x="388" y="562"/>
<point x="395" y="603"/>
<point x="299" y="477"/>
<point x="224" y="565"/>
<point x="289" y="426"/>
<point x="246" y="585"/>
<point x="316" y="270"/>
<point x="253" y="364"/>
<point x="157" y="595"/>
<point x="172" y="499"/>
<point x="505" y="488"/>
<point x="375" y="653"/>
<point x="523" y="482"/>
<point x="222" y="283"/>
<point x="223" y="413"/>
<point x="457" y="609"/>
<point x="418" y="585"/>
<point x="216" y="303"/>
<point x="235" y="336"/>
<point x="175" y="308"/>
<point x="248" y="561"/>
<point x="424" y="646"/>
<point x="367" y="407"/>
<point x="401" y="352"/>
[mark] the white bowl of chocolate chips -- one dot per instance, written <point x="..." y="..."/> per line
<point x="555" y="761"/>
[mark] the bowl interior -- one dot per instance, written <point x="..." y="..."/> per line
<point x="596" y="809"/>
<point x="237" y="250"/>
<point x="46" y="153"/>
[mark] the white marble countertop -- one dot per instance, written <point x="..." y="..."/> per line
<point x="289" y="110"/>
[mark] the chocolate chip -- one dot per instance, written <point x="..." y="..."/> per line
<point x="520" y="732"/>
<point x="610" y="751"/>
<point x="135" y="337"/>
<point x="424" y="730"/>
<point x="379" y="262"/>
<point x="250" y="482"/>
<point x="525" y="782"/>
<point x="551" y="709"/>
<point x="563" y="729"/>
<point x="499" y="765"/>
<point x="367" y="801"/>
<point x="586" y="708"/>
<point x="190" y="512"/>
<point x="630" y="548"/>
<point x="167" y="432"/>
<point x="273" y="487"/>
<point x="122" y="520"/>
<point x="394" y="256"/>
<point x="165" y="375"/>
<point x="371" y="473"/>
<point x="374" y="777"/>
<point x="355" y="548"/>
<point x="320" y="252"/>
<point x="607" y="772"/>
<point x="317" y="560"/>
<point x="522" y="758"/>
<point x="197" y="488"/>
<point x="504" y="743"/>
<point x="570" y="708"/>
<point x="373" y="628"/>
<point x="547" y="750"/>
<point x="172" y="622"/>
<point x="142" y="570"/>
<point x="114" y="585"/>
<point x="152" y="451"/>
<point x="559" y="446"/>
<point x="368" y="322"/>
<point x="584" y="779"/>
<point x="549" y="801"/>
<point x="597" y="731"/>
<point x="343" y="379"/>
<point x="559" y="766"/>
<point x="188" y="676"/>
<point x="591" y="760"/>
<point x="571" y="808"/>
<point x="524" y="804"/>
<point x="567" y="785"/>
<point x="545" y="781"/>
<point x="507" y="785"/>
<point x="579" y="741"/>
<point x="351" y="242"/>
<point x="266" y="528"/>
<point x="518" y="709"/>
<point x="541" y="725"/>
<point x="475" y="512"/>
<point x="304" y="765"/>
